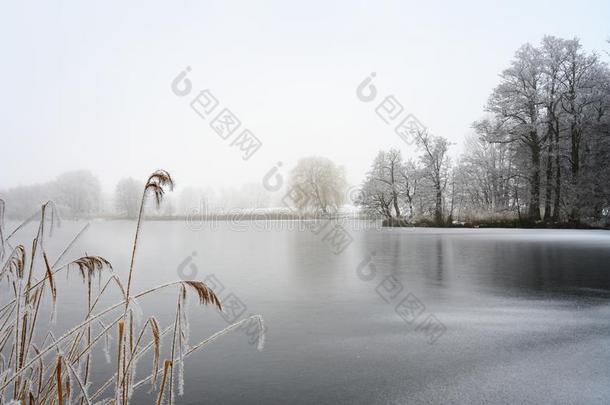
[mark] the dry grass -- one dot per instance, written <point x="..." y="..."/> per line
<point x="37" y="367"/>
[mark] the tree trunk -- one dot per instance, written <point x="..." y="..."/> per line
<point x="387" y="212"/>
<point x="549" y="179"/>
<point x="450" y="219"/>
<point x="438" y="210"/>
<point x="557" y="178"/>
<point x="411" y="212"/>
<point x="394" y="193"/>
<point x="518" y="202"/>
<point x="575" y="166"/>
<point x="534" y="208"/>
<point x="396" y="208"/>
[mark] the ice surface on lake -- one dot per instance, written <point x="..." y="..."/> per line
<point x="526" y="312"/>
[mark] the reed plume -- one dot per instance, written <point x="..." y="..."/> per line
<point x="205" y="294"/>
<point x="38" y="367"/>
<point x="89" y="264"/>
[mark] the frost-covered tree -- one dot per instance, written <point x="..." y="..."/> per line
<point x="78" y="193"/>
<point x="435" y="167"/>
<point x="127" y="197"/>
<point x="321" y="182"/>
<point x="382" y="188"/>
<point x="553" y="57"/>
<point x="552" y="108"/>
<point x="579" y="81"/>
<point x="23" y="201"/>
<point x="376" y="198"/>
<point x="487" y="179"/>
<point x="392" y="187"/>
<point x="409" y="182"/>
<point x="517" y="101"/>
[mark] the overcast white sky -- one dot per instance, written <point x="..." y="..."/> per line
<point x="87" y="84"/>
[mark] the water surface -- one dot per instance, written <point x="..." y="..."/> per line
<point x="524" y="313"/>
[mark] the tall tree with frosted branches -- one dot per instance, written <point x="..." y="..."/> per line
<point x="435" y="167"/>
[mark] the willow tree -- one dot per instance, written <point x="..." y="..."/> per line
<point x="321" y="184"/>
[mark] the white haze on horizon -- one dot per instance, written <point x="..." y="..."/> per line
<point x="87" y="86"/>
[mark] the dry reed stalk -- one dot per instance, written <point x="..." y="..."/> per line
<point x="60" y="396"/>
<point x="155" y="183"/>
<point x="76" y="328"/>
<point x="58" y="369"/>
<point x="120" y="352"/>
<point x="82" y="386"/>
<point x="174" y="337"/>
<point x="207" y="341"/>
<point x="167" y="365"/>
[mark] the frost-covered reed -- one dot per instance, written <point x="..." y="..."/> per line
<point x="37" y="367"/>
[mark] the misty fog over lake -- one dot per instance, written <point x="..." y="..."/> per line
<point x="321" y="202"/>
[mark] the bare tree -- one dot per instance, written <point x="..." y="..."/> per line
<point x="578" y="95"/>
<point x="435" y="167"/>
<point x="383" y="188"/>
<point x="552" y="107"/>
<point x="553" y="57"/>
<point x="517" y="101"/>
<point x="376" y="198"/>
<point x="408" y="185"/>
<point x="387" y="169"/>
<point x="79" y="192"/>
<point x="321" y="182"/>
<point x="127" y="195"/>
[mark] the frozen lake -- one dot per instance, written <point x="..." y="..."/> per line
<point x="399" y="316"/>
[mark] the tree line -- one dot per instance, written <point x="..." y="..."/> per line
<point x="541" y="154"/>
<point x="76" y="194"/>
